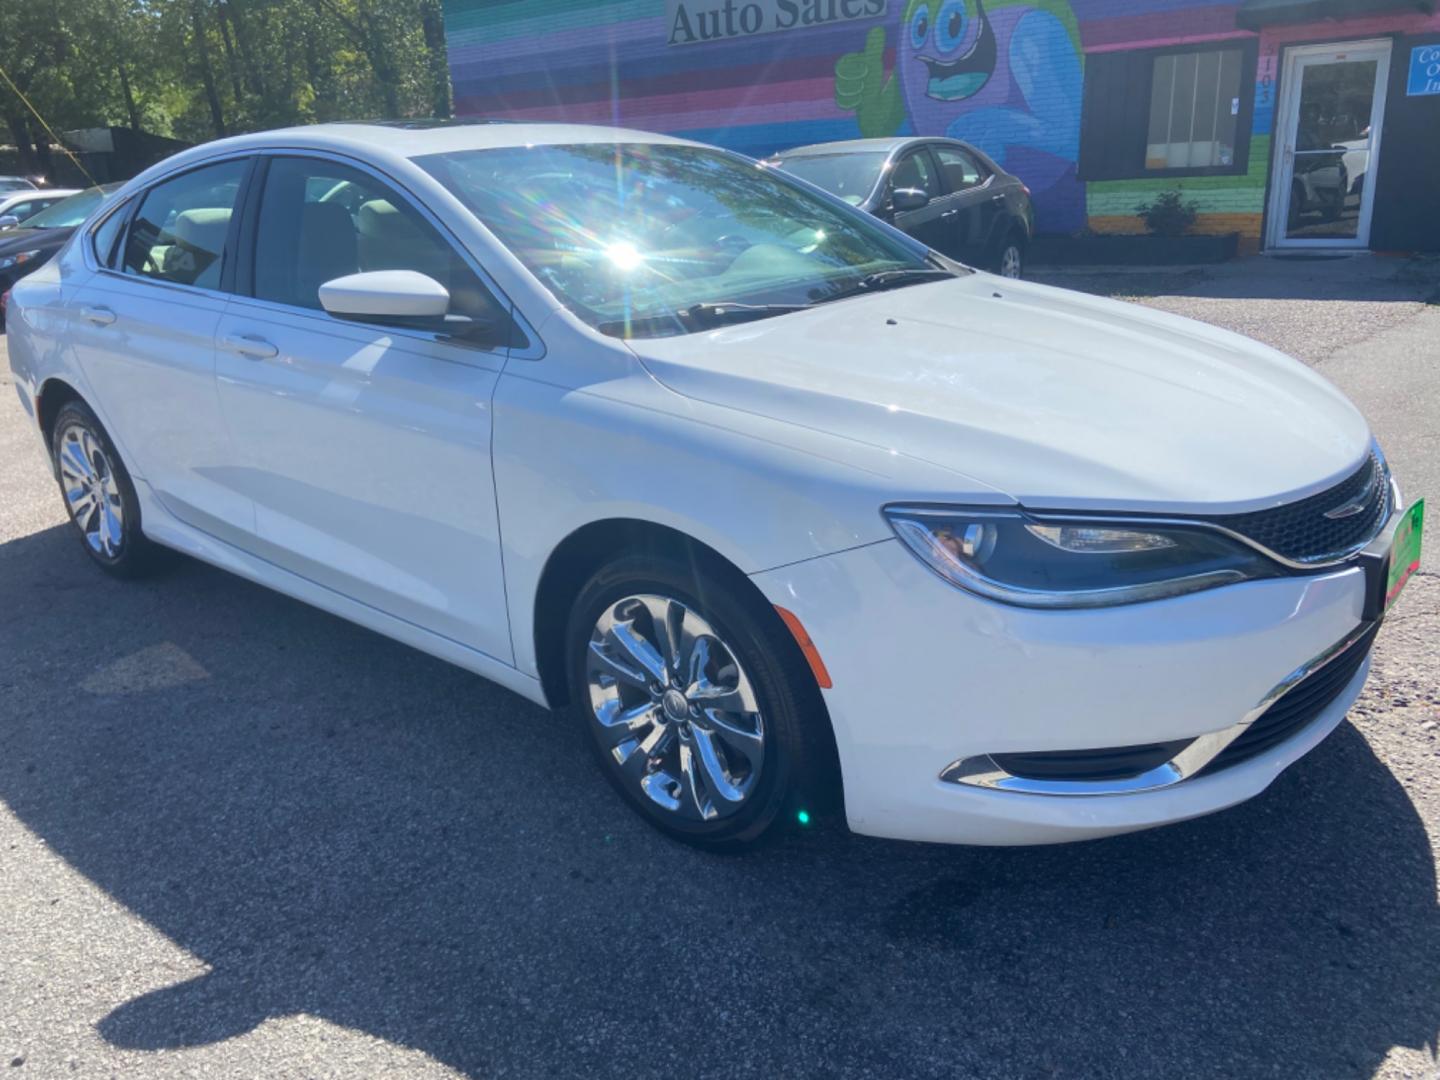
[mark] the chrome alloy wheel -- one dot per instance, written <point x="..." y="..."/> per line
<point x="675" y="709"/>
<point x="93" y="495"/>
<point x="1010" y="260"/>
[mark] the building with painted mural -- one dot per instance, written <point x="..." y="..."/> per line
<point x="1293" y="123"/>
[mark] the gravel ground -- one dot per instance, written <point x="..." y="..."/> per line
<point x="239" y="837"/>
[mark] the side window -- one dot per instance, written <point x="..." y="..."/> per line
<point x="178" y="234"/>
<point x="22" y="210"/>
<point x="961" y="170"/>
<point x="105" y="234"/>
<point x="320" y="220"/>
<point x="915" y="170"/>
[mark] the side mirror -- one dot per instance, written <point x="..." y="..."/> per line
<point x="395" y="296"/>
<point x="908" y="198"/>
<point x="410" y="299"/>
<point x="8" y="221"/>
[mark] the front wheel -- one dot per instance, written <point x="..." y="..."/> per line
<point x="695" y="699"/>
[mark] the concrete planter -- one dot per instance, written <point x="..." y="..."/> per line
<point x="1141" y="250"/>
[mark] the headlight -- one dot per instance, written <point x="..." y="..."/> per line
<point x="17" y="260"/>
<point x="1047" y="562"/>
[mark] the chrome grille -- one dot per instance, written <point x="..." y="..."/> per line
<point x="1302" y="532"/>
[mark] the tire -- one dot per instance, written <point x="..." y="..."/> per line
<point x="1010" y="258"/>
<point x="721" y="777"/>
<point x="90" y="474"/>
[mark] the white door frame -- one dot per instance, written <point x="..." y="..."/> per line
<point x="1287" y="116"/>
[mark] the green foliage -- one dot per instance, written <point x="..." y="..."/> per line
<point x="1168" y="215"/>
<point x="197" y="69"/>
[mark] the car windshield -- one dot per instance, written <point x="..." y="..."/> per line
<point x="635" y="238"/>
<point x="67" y="213"/>
<point x="850" y="176"/>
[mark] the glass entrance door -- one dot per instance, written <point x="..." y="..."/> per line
<point x="1333" y="98"/>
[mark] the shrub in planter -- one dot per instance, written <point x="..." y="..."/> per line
<point x="1168" y="215"/>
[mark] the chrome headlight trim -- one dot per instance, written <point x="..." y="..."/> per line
<point x="1388" y="521"/>
<point x="918" y="529"/>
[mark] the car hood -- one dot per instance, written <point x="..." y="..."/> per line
<point x="13" y="240"/>
<point x="1056" y="398"/>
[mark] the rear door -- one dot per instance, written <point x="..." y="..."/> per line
<point x="916" y="169"/>
<point x="973" y="205"/>
<point x="144" y="335"/>
<point x="366" y="447"/>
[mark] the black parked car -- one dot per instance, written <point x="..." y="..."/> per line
<point x="25" y="249"/>
<point x="943" y="192"/>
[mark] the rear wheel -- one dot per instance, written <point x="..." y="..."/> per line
<point x="1010" y="262"/>
<point x="698" y="708"/>
<point x="99" y="495"/>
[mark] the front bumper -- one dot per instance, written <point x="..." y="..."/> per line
<point x="927" y="676"/>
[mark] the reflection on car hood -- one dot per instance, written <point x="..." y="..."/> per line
<point x="13" y="240"/>
<point x="1057" y="398"/>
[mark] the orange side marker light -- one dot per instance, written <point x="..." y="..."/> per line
<point x="812" y="654"/>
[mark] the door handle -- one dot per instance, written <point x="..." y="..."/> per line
<point x="256" y="348"/>
<point x="998" y="198"/>
<point x="100" y="316"/>
<point x="949" y="213"/>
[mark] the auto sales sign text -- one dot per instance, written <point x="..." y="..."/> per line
<point x="695" y="21"/>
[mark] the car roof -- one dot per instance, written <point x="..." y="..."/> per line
<point x="855" y="146"/>
<point x="37" y="193"/>
<point x="397" y="140"/>
<point x="889" y="146"/>
<point x="415" y="138"/>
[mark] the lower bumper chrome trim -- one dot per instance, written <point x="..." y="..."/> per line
<point x="982" y="770"/>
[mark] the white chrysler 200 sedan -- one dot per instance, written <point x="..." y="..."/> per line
<point x="791" y="511"/>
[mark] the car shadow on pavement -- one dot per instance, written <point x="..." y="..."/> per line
<point x="339" y="826"/>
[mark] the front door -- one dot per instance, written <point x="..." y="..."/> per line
<point x="365" y="447"/>
<point x="929" y="225"/>
<point x="1332" y="99"/>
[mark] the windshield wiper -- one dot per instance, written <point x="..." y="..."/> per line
<point x="881" y="280"/>
<point x="695" y="317"/>
<point x="728" y="311"/>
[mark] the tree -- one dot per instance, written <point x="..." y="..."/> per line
<point x="196" y="69"/>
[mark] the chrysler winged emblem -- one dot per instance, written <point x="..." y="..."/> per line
<point x="1351" y="507"/>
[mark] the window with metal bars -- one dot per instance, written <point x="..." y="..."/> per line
<point x="1194" y="104"/>
<point x="1180" y="111"/>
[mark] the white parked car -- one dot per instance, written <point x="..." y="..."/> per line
<point x="16" y="206"/>
<point x="793" y="512"/>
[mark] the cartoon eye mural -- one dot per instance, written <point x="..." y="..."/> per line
<point x="920" y="26"/>
<point x="954" y="77"/>
<point x="950" y="25"/>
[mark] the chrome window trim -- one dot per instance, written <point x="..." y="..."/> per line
<point x="172" y="286"/>
<point x="983" y="771"/>
<point x="536" y="348"/>
<point x="91" y="256"/>
<point x="87" y="249"/>
<point x="140" y="194"/>
<point x="534" y="351"/>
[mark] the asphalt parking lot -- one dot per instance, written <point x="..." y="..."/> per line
<point x="242" y="838"/>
